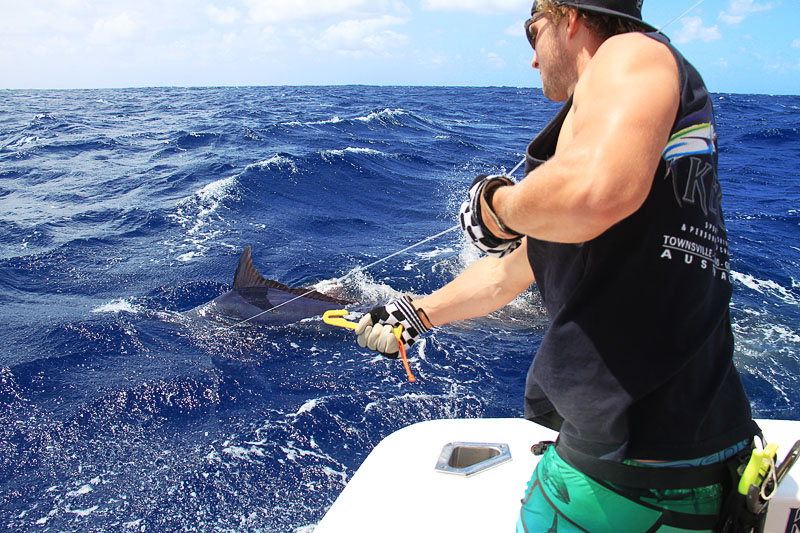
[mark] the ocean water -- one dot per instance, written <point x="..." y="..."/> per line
<point x="122" y="208"/>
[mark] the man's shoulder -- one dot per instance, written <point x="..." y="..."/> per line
<point x="631" y="56"/>
<point x="630" y="72"/>
<point x="633" y="44"/>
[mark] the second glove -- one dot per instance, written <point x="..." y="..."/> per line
<point x="472" y="221"/>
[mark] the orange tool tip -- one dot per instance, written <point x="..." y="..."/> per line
<point x="398" y="331"/>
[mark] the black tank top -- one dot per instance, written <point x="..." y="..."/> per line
<point x="637" y="360"/>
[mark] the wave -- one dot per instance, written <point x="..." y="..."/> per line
<point x="120" y="305"/>
<point x="390" y="118"/>
<point x="328" y="154"/>
<point x="197" y="213"/>
<point x="772" y="136"/>
<point x="279" y="161"/>
<point x="118" y="412"/>
<point x="384" y="115"/>
<point x="20" y="142"/>
<point x="387" y="115"/>
<point x="191" y="140"/>
<point x="332" y="120"/>
<point x="766" y="287"/>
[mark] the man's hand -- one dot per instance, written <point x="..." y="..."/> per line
<point x="479" y="222"/>
<point x="375" y="330"/>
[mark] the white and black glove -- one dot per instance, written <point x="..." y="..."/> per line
<point x="375" y="330"/>
<point x="472" y="222"/>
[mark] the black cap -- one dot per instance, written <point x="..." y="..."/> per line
<point x="627" y="9"/>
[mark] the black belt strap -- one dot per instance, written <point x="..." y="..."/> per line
<point x="644" y="477"/>
<point x="696" y="522"/>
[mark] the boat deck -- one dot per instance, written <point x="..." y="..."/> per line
<point x="397" y="488"/>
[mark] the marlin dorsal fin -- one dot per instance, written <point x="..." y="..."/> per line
<point x="246" y="274"/>
<point x="248" y="277"/>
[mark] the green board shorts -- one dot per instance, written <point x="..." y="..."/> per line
<point x="561" y="499"/>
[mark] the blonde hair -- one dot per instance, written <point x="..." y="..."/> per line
<point x="602" y="25"/>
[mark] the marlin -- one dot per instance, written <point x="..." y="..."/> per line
<point x="256" y="299"/>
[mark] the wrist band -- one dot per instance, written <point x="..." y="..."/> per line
<point x="421" y="313"/>
<point x="488" y="194"/>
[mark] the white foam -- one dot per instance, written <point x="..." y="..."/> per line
<point x="421" y="345"/>
<point x="326" y="285"/>
<point x="215" y="190"/>
<point x="766" y="287"/>
<point x="26" y="140"/>
<point x="83" y="512"/>
<point x="86" y="489"/>
<point x="330" y="472"/>
<point x="334" y="120"/>
<point x="353" y="150"/>
<point x="436" y="253"/>
<point x="188" y="256"/>
<point x="293" y="452"/>
<point x="782" y="334"/>
<point x="117" y="306"/>
<point x="237" y="452"/>
<point x="307" y="407"/>
<point x="386" y="113"/>
<point x="194" y="213"/>
<point x="371" y="291"/>
<point x="277" y="161"/>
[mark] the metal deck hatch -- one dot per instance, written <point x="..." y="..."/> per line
<point x="470" y="458"/>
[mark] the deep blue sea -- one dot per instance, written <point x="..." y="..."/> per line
<point x="122" y="208"/>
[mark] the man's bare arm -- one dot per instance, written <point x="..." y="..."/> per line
<point x="624" y="107"/>
<point x="486" y="286"/>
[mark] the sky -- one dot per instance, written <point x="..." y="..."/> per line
<point x="739" y="46"/>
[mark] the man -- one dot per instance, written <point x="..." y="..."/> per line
<point x="618" y="221"/>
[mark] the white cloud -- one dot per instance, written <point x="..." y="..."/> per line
<point x="482" y="7"/>
<point x="52" y="46"/>
<point x="738" y="10"/>
<point x="281" y="11"/>
<point x="363" y="37"/>
<point x="493" y="59"/>
<point x="113" y="29"/>
<point x="72" y="4"/>
<point x="796" y="43"/>
<point x="25" y="20"/>
<point x="516" y="29"/>
<point x="430" y="59"/>
<point x="693" y="30"/>
<point x="225" y="16"/>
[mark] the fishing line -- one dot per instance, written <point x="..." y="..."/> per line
<point x="423" y="241"/>
<point x="360" y="269"/>
<point x="679" y="17"/>
<point x="510" y="174"/>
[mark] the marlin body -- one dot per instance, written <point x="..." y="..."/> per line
<point x="252" y="295"/>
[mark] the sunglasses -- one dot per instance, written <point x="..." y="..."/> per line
<point x="528" y="27"/>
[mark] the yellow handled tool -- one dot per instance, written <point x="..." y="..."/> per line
<point x="757" y="468"/>
<point x="334" y="318"/>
